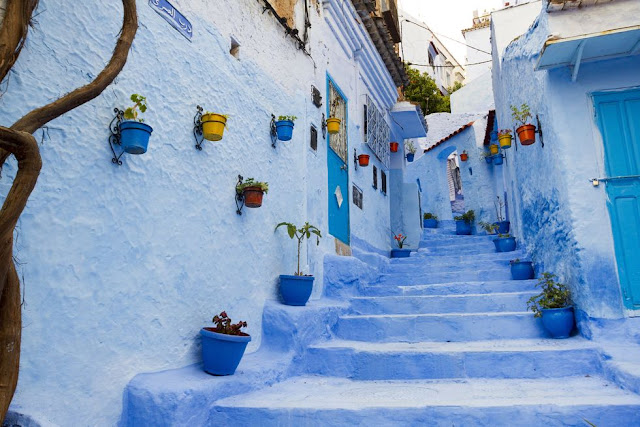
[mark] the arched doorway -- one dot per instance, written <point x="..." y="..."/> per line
<point x="451" y="162"/>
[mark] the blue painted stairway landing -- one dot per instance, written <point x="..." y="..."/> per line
<point x="441" y="338"/>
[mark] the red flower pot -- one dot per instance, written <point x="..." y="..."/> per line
<point x="527" y="134"/>
<point x="363" y="159"/>
<point x="253" y="197"/>
<point x="464" y="157"/>
<point x="394" y="147"/>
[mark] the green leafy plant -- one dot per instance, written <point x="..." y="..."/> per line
<point x="488" y="227"/>
<point x="300" y="234"/>
<point x="504" y="236"/>
<point x="250" y="182"/>
<point x="410" y="147"/>
<point x="553" y="295"/>
<point x="485" y="154"/>
<point x="521" y="114"/>
<point x="429" y="215"/>
<point x="139" y="104"/>
<point x="224" y="325"/>
<point x="502" y="132"/>
<point x="423" y="89"/>
<point x="468" y="217"/>
<point x="292" y="118"/>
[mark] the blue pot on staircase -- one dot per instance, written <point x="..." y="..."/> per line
<point x="295" y="290"/>
<point x="463" y="228"/>
<point x="503" y="226"/>
<point x="221" y="353"/>
<point x="284" y="129"/>
<point x="400" y="253"/>
<point x="430" y="223"/>
<point x="522" y="270"/>
<point x="558" y="321"/>
<point x="134" y="136"/>
<point x="505" y="244"/>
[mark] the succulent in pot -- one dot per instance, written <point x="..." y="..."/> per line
<point x="252" y="191"/>
<point x="464" y="222"/>
<point x="554" y="306"/>
<point x="134" y="133"/>
<point x="284" y="127"/>
<point x="526" y="131"/>
<point x="224" y="345"/>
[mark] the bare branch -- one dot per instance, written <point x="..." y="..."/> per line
<point x="13" y="32"/>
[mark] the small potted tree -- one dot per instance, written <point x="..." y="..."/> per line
<point x="224" y="345"/>
<point x="526" y="131"/>
<point x="464" y="222"/>
<point x="134" y="134"/>
<point x="213" y="125"/>
<point x="504" y="138"/>
<point x="521" y="270"/>
<point x="401" y="251"/>
<point x="333" y="122"/>
<point x="429" y="220"/>
<point x="284" y="127"/>
<point x="252" y="192"/>
<point x="503" y="226"/>
<point x="553" y="304"/>
<point x="296" y="289"/>
<point x="411" y="151"/>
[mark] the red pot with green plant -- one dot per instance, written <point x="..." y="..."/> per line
<point x="252" y="191"/>
<point x="526" y="131"/>
<point x="224" y="345"/>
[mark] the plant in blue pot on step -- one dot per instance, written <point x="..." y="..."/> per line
<point x="224" y="345"/>
<point x="296" y="289"/>
<point x="554" y="306"/>
<point x="464" y="222"/>
<point x="505" y="243"/>
<point x="284" y="127"/>
<point x="429" y="220"/>
<point x="401" y="251"/>
<point x="503" y="225"/>
<point x="521" y="270"/>
<point x="134" y="134"/>
<point x="411" y="151"/>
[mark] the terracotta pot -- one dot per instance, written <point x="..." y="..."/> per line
<point x="527" y="134"/>
<point x="464" y="157"/>
<point x="394" y="147"/>
<point x="252" y="197"/>
<point x="363" y="160"/>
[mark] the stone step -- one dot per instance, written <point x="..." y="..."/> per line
<point x="321" y="401"/>
<point x="454" y="259"/>
<point x="456" y="241"/>
<point x="438" y="267"/>
<point x="452" y="288"/>
<point x="469" y="303"/>
<point x="468" y="250"/>
<point x="439" y="327"/>
<point x="432" y="360"/>
<point x="428" y="277"/>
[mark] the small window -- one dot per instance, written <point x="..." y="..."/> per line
<point x="365" y="123"/>
<point x="375" y="177"/>
<point x="357" y="197"/>
<point x="313" y="143"/>
<point x="383" y="181"/>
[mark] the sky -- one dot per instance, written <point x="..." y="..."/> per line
<point x="448" y="18"/>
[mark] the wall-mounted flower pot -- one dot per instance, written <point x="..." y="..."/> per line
<point x="489" y="159"/>
<point x="503" y="226"/>
<point x="400" y="253"/>
<point x="498" y="159"/>
<point x="284" y="129"/>
<point x="333" y="125"/>
<point x="464" y="156"/>
<point x="213" y="126"/>
<point x="221" y="353"/>
<point x="493" y="148"/>
<point x="295" y="290"/>
<point x="522" y="270"/>
<point x="363" y="160"/>
<point x="252" y="197"/>
<point x="494" y="135"/>
<point x="134" y="136"/>
<point x="463" y="228"/>
<point x="430" y="223"/>
<point x="505" y="141"/>
<point x="505" y="244"/>
<point x="558" y="321"/>
<point x="393" y="146"/>
<point x="410" y="157"/>
<point x="526" y="134"/>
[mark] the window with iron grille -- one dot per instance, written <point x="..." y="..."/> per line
<point x="383" y="182"/>
<point x="338" y="109"/>
<point x="377" y="133"/>
<point x="357" y="197"/>
<point x="314" y="138"/>
<point x="375" y="177"/>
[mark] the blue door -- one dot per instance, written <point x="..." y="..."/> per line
<point x="338" y="170"/>
<point x="618" y="117"/>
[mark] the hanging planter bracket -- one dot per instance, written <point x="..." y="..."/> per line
<point x="324" y="127"/>
<point x="239" y="196"/>
<point x="539" y="131"/>
<point x="198" y="133"/>
<point x="273" y="131"/>
<point x="114" y="138"/>
<point x="355" y="158"/>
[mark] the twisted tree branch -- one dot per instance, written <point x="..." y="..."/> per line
<point x="13" y="32"/>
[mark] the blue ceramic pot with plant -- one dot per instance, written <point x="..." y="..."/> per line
<point x="554" y="306"/>
<point x="522" y="270"/>
<point x="505" y="244"/>
<point x="503" y="227"/>
<point x="498" y="159"/>
<point x="463" y="228"/>
<point x="464" y="223"/>
<point x="558" y="321"/>
<point x="284" y="127"/>
<point x="134" y="135"/>
<point x="295" y="290"/>
<point x="223" y="346"/>
<point x="488" y="159"/>
<point x="410" y="157"/>
<point x="430" y="223"/>
<point x="400" y="253"/>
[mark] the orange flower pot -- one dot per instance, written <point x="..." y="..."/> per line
<point x="527" y="134"/>
<point x="252" y="197"/>
<point x="394" y="147"/>
<point x="363" y="160"/>
<point x="464" y="157"/>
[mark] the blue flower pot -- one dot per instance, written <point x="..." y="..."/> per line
<point x="503" y="226"/>
<point x="430" y="223"/>
<point x="400" y="253"/>
<point x="221" y="353"/>
<point x="463" y="228"/>
<point x="489" y="159"/>
<point x="295" y="290"/>
<point x="284" y="129"/>
<point x="505" y="244"/>
<point x="558" y="321"/>
<point x="522" y="270"/>
<point x="410" y="157"/>
<point x="498" y="159"/>
<point x="134" y="137"/>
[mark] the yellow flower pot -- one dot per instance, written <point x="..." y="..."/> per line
<point x="333" y="125"/>
<point x="493" y="148"/>
<point x="505" y="140"/>
<point x="213" y="126"/>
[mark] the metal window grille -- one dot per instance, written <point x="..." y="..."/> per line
<point x="383" y="182"/>
<point x="375" y="177"/>
<point x="314" y="138"/>
<point x="377" y="133"/>
<point x="357" y="197"/>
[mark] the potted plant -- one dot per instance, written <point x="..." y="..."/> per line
<point x="493" y="149"/>
<point x="333" y="123"/>
<point x="284" y="127"/>
<point x="553" y="304"/>
<point x="504" y="138"/>
<point x="429" y="220"/>
<point x="498" y="159"/>
<point x="411" y="151"/>
<point x="363" y="160"/>
<point x="521" y="270"/>
<point x="503" y="226"/>
<point x="464" y="222"/>
<point x="526" y="131"/>
<point x="296" y="289"/>
<point x="488" y="227"/>
<point x="134" y="134"/>
<point x="505" y="243"/>
<point x="252" y="192"/>
<point x="393" y="146"/>
<point x="401" y="251"/>
<point x="213" y="125"/>
<point x="487" y="156"/>
<point x="224" y="345"/>
<point x="464" y="156"/>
